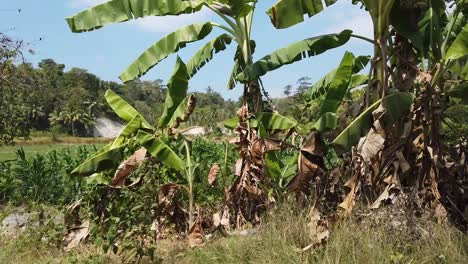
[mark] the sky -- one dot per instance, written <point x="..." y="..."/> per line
<point x="108" y="51"/>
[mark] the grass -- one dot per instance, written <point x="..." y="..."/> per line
<point x="280" y="239"/>
<point x="23" y="250"/>
<point x="277" y="241"/>
<point x="39" y="145"/>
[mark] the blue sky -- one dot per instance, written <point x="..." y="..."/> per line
<point x="108" y="51"/>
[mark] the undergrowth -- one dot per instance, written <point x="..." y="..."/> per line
<point x="285" y="233"/>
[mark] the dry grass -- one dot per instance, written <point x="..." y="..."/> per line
<point x="277" y="241"/>
<point x="286" y="231"/>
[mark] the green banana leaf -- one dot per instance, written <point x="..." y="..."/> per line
<point x="205" y="54"/>
<point x="131" y="128"/>
<point x="459" y="47"/>
<point x="105" y="159"/>
<point x="123" y="109"/>
<point x="322" y="85"/>
<point x="459" y="91"/>
<point x="269" y="120"/>
<point x="327" y="122"/>
<point x="286" y="13"/>
<point x="116" y="11"/>
<point x="293" y="53"/>
<point x="395" y="105"/>
<point x="164" y="47"/>
<point x="235" y="8"/>
<point x="176" y="93"/>
<point x="339" y="85"/>
<point x="358" y="80"/>
<point x="160" y="151"/>
<point x="232" y="77"/>
<point x="239" y="65"/>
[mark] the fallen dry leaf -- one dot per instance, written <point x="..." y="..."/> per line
<point x="195" y="237"/>
<point x="76" y="235"/>
<point x="318" y="229"/>
<point x="212" y="174"/>
<point x="128" y="166"/>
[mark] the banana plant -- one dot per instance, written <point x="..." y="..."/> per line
<point x="237" y="17"/>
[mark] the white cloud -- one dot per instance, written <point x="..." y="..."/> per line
<point x="152" y="24"/>
<point x="348" y="16"/>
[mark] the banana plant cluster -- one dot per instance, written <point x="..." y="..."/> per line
<point x="419" y="64"/>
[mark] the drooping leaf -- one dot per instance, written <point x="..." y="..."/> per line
<point x="269" y="120"/>
<point x="273" y="121"/>
<point x="128" y="166"/>
<point x="235" y="8"/>
<point x="405" y="27"/>
<point x="232" y="122"/>
<point x="459" y="47"/>
<point x="293" y="53"/>
<point x="358" y="80"/>
<point x="116" y="11"/>
<point x="105" y="160"/>
<point x="205" y="54"/>
<point x="239" y="65"/>
<point x="322" y="85"/>
<point x="183" y="111"/>
<point x="327" y="122"/>
<point x="311" y="163"/>
<point x="160" y="151"/>
<point x="164" y="47"/>
<point x="176" y="93"/>
<point x="395" y="105"/>
<point x="123" y="109"/>
<point x="131" y="128"/>
<point x="339" y="85"/>
<point x="286" y="13"/>
<point x="459" y="91"/>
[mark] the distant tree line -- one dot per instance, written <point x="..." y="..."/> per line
<point x="48" y="98"/>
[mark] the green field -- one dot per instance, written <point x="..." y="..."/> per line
<point x="44" y="144"/>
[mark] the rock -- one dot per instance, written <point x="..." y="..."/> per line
<point x="107" y="128"/>
<point x="19" y="220"/>
<point x="194" y="131"/>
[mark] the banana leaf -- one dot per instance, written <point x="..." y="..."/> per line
<point x="105" y="159"/>
<point x="293" y="53"/>
<point x="176" y="93"/>
<point x="205" y="54"/>
<point x="339" y="85"/>
<point x="395" y="106"/>
<point x="322" y="85"/>
<point x="459" y="47"/>
<point x="164" y="47"/>
<point x="123" y="109"/>
<point x="327" y="122"/>
<point x="269" y="120"/>
<point x="116" y="11"/>
<point x="160" y="151"/>
<point x="286" y="13"/>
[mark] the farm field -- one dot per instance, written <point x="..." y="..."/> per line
<point x="43" y="145"/>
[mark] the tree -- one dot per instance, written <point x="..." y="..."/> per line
<point x="15" y="111"/>
<point x="287" y="90"/>
<point x="304" y="84"/>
